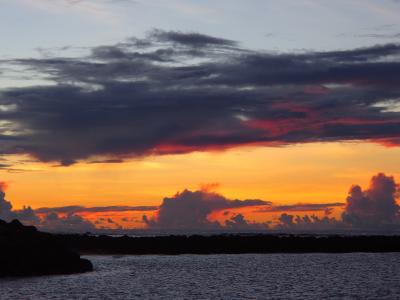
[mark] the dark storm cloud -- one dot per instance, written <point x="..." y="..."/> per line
<point x="190" y="210"/>
<point x="175" y="92"/>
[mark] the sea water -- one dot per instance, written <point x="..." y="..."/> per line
<point x="249" y="276"/>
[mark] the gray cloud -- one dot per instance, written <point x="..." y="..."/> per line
<point x="190" y="39"/>
<point x="99" y="209"/>
<point x="51" y="222"/>
<point x="190" y="210"/>
<point x="26" y="214"/>
<point x="376" y="206"/>
<point x="175" y="92"/>
<point x="302" y="207"/>
<point x="5" y="206"/>
<point x="69" y="223"/>
<point x="74" y="2"/>
<point x="372" y="209"/>
<point x="380" y="35"/>
<point x="238" y="222"/>
<point x="308" y="223"/>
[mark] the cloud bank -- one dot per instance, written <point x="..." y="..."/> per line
<point x="175" y="92"/>
<point x="326" y="207"/>
<point x="69" y="223"/>
<point x="372" y="209"/>
<point x="375" y="206"/>
<point x="82" y="209"/>
<point x="26" y="215"/>
<point x="289" y="222"/>
<point x="190" y="211"/>
<point x="50" y="222"/>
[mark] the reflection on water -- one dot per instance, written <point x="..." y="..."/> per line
<point x="269" y="276"/>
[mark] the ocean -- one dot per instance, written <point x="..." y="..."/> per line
<point x="248" y="276"/>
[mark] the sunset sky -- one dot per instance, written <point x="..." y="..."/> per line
<point x="127" y="103"/>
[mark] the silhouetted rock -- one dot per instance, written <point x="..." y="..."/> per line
<point x="24" y="251"/>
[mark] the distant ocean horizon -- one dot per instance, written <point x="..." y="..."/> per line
<point x="247" y="276"/>
<point x="155" y="233"/>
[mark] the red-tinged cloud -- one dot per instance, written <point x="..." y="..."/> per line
<point x="209" y="187"/>
<point x="3" y="186"/>
<point x="175" y="92"/>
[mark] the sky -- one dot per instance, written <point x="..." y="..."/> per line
<point x="186" y="115"/>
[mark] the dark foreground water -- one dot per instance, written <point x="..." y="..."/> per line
<point x="268" y="276"/>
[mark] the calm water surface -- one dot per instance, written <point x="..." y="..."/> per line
<point x="269" y="276"/>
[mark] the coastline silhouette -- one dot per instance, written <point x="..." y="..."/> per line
<point x="25" y="251"/>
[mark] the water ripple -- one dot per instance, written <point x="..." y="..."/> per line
<point x="269" y="276"/>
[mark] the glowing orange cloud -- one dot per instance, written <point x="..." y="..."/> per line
<point x="3" y="186"/>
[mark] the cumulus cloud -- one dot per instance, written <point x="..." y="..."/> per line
<point x="308" y="223"/>
<point x="238" y="222"/>
<point x="5" y="206"/>
<point x="372" y="209"/>
<point x="175" y="92"/>
<point x="70" y="223"/>
<point x="190" y="210"/>
<point x="64" y="218"/>
<point x="375" y="206"/>
<point x="26" y="214"/>
<point x="51" y="221"/>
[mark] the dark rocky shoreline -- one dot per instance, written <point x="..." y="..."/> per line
<point x="228" y="244"/>
<point x="24" y="251"/>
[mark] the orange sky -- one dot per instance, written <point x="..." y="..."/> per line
<point x="308" y="173"/>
